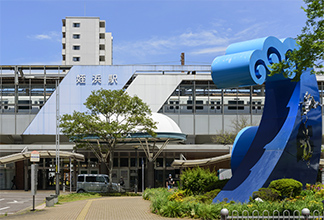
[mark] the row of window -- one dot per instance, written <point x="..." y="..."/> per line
<point x="78" y="24"/>
<point x="78" y="47"/>
<point x="78" y="59"/>
<point x="78" y="36"/>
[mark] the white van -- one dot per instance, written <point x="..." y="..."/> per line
<point x="94" y="183"/>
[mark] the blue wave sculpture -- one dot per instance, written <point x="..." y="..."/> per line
<point x="287" y="142"/>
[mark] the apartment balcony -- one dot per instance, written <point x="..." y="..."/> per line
<point x="63" y="52"/>
<point x="102" y="30"/>
<point x="102" y="52"/>
<point x="63" y="40"/>
<point x="63" y="29"/>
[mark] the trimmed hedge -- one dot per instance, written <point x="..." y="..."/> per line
<point x="267" y="194"/>
<point x="287" y="187"/>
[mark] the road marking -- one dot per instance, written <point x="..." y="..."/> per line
<point x="4" y="208"/>
<point x="15" y="201"/>
<point x="1" y="199"/>
<point x="84" y="211"/>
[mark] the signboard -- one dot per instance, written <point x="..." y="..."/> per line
<point x="34" y="156"/>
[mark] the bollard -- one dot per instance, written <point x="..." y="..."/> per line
<point x="55" y="198"/>
<point x="224" y="214"/>
<point x="49" y="201"/>
<point x="305" y="213"/>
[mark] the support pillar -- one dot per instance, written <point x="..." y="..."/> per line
<point x="26" y="175"/>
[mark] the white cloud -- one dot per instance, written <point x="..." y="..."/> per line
<point x="42" y="36"/>
<point x="162" y="45"/>
<point x="53" y="36"/>
<point x="212" y="50"/>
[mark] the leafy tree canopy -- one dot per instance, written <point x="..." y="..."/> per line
<point x="111" y="116"/>
<point x="311" y="45"/>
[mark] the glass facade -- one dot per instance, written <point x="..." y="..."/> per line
<point x="203" y="97"/>
<point x="26" y="89"/>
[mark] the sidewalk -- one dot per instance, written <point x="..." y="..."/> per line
<point x="114" y="208"/>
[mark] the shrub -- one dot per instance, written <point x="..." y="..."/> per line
<point x="177" y="196"/>
<point x="208" y="197"/>
<point x="150" y="194"/>
<point x="219" y="184"/>
<point x="268" y="194"/>
<point x="195" y="180"/>
<point x="287" y="187"/>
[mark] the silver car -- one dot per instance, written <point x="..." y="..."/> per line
<point x="95" y="183"/>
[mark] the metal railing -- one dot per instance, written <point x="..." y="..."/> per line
<point x="287" y="214"/>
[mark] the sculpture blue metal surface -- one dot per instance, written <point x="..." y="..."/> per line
<point x="287" y="142"/>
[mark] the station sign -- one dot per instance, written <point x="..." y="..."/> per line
<point x="34" y="156"/>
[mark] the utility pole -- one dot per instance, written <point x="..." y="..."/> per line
<point x="182" y="59"/>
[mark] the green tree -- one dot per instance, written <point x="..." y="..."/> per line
<point x="311" y="44"/>
<point x="111" y="116"/>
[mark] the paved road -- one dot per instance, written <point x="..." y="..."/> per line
<point x="114" y="208"/>
<point x="12" y="201"/>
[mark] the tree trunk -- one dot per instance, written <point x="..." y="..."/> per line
<point x="111" y="164"/>
<point x="103" y="167"/>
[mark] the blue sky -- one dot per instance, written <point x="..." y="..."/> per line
<point x="145" y="32"/>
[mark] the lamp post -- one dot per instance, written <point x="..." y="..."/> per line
<point x="57" y="141"/>
<point x="136" y="165"/>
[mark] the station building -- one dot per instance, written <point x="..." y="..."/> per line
<point x="184" y="96"/>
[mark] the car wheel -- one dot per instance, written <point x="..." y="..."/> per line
<point x="81" y="191"/>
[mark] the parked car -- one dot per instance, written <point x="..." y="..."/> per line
<point x="95" y="183"/>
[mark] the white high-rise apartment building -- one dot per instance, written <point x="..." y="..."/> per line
<point x="85" y="41"/>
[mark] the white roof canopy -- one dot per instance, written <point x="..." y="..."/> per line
<point x="42" y="154"/>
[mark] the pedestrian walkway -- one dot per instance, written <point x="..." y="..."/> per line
<point x="114" y="208"/>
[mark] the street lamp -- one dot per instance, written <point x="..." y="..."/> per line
<point x="136" y="165"/>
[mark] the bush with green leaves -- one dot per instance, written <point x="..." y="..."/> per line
<point x="208" y="196"/>
<point x="178" y="204"/>
<point x="195" y="181"/>
<point x="287" y="187"/>
<point x="267" y="194"/>
<point x="219" y="184"/>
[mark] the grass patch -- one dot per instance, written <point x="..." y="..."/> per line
<point x="77" y="196"/>
<point x="83" y="196"/>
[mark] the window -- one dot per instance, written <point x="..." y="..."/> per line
<point x="102" y="24"/>
<point x="76" y="25"/>
<point x="256" y="105"/>
<point x="124" y="162"/>
<point x="76" y="36"/>
<point x="100" y="179"/>
<point x="174" y="104"/>
<point x="91" y="178"/>
<point x="76" y="47"/>
<point x="101" y="36"/>
<point x="101" y="47"/>
<point x="102" y="58"/>
<point x="214" y="104"/>
<point x="80" y="178"/>
<point x="189" y="102"/>
<point x="235" y="105"/>
<point x="199" y="104"/>
<point x="76" y="59"/>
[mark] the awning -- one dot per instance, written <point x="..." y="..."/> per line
<point x="42" y="154"/>
<point x="201" y="162"/>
